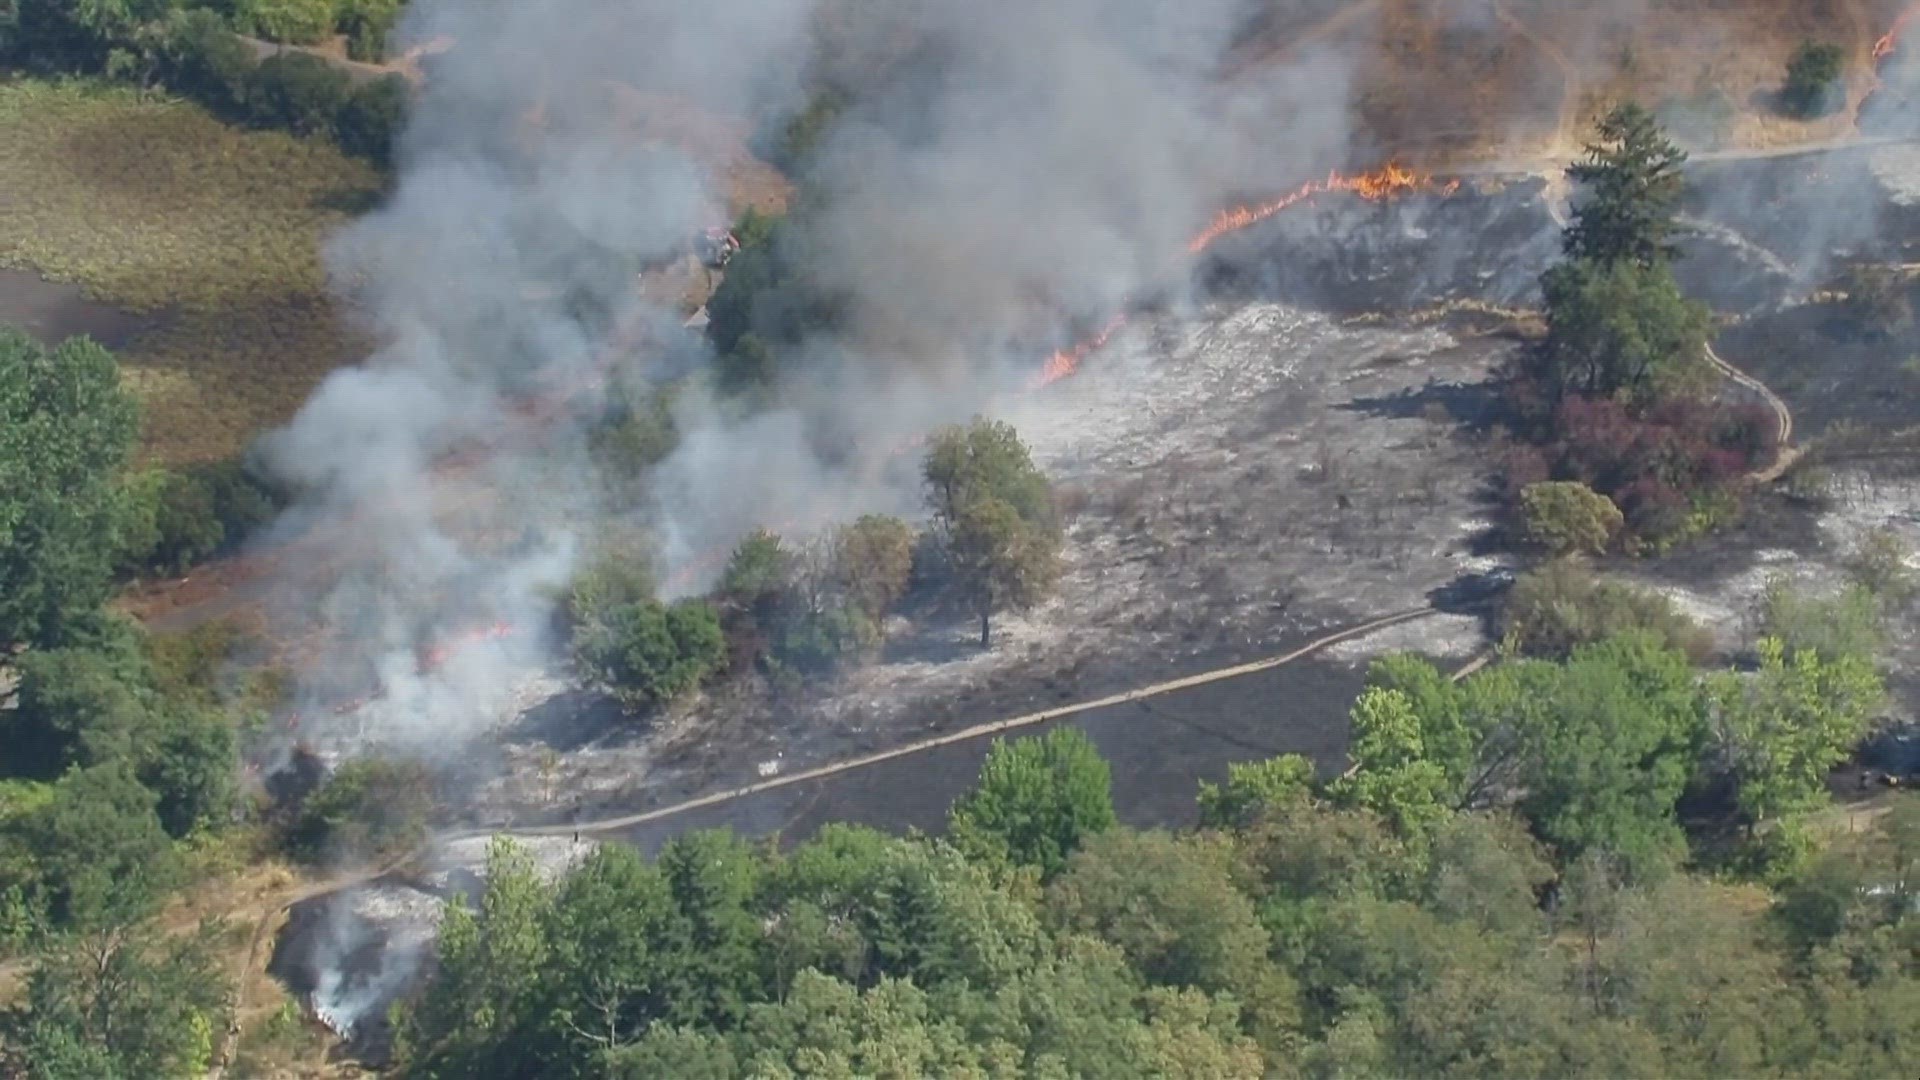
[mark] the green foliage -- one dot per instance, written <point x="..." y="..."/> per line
<point x="368" y="807"/>
<point x="101" y="703"/>
<point x="1036" y="800"/>
<point x="759" y="571"/>
<point x="818" y="640"/>
<point x="1846" y="623"/>
<point x="609" y="581"/>
<point x="647" y="653"/>
<point x="986" y="460"/>
<point x="1568" y="518"/>
<point x="1392" y="775"/>
<point x="297" y="91"/>
<point x="1878" y="564"/>
<point x="767" y="304"/>
<point x="1780" y="731"/>
<point x="368" y="120"/>
<point x="1611" y="751"/>
<point x="296" y="22"/>
<point x="871" y="561"/>
<point x="366" y="24"/>
<point x="99" y="856"/>
<point x="118" y="1005"/>
<point x="1255" y="788"/>
<point x="66" y="428"/>
<point x="1618" y="329"/>
<point x="1633" y="182"/>
<point x="1558" y="607"/>
<point x="996" y="514"/>
<point x="204" y="58"/>
<point x="1173" y="909"/>
<point x="1813" y="87"/>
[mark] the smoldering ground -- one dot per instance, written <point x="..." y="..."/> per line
<point x="1049" y="157"/>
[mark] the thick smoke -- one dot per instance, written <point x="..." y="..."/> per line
<point x="1016" y="170"/>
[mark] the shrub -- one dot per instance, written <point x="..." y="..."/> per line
<point x="1567" y="518"/>
<point x="1845" y="623"/>
<point x="296" y="22"/>
<point x="204" y="58"/>
<point x="1813" y="85"/>
<point x="609" y="581"/>
<point x="366" y="808"/>
<point x="647" y="654"/>
<point x="1560" y="607"/>
<point x="369" y="120"/>
<point x="817" y="641"/>
<point x="1879" y="564"/>
<point x="296" y="90"/>
<point x="1876" y="307"/>
<point x="366" y="24"/>
<point x="871" y="562"/>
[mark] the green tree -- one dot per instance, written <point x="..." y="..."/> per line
<point x="981" y="461"/>
<point x="1618" y="329"/>
<point x="1780" y="731"/>
<point x="367" y="807"/>
<point x="1846" y="623"/>
<point x="1554" y="609"/>
<point x="480" y="1015"/>
<point x="1254" y="788"/>
<point x="999" y="560"/>
<point x="871" y="560"/>
<point x="102" y="858"/>
<point x="759" y="573"/>
<point x="117" y="1005"/>
<point x="1632" y="175"/>
<point x="1568" y="518"/>
<point x="1392" y="775"/>
<point x="647" y="653"/>
<point x="296" y="90"/>
<point x="1036" y="800"/>
<point x="66" y="427"/>
<point x="617" y="941"/>
<point x="369" y="119"/>
<point x="1172" y="906"/>
<point x="1610" y="754"/>
<point x="1813" y="86"/>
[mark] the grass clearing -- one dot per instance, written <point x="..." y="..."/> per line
<point x="153" y="205"/>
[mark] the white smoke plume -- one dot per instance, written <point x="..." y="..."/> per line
<point x="1017" y="166"/>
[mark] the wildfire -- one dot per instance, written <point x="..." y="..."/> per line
<point x="1387" y="182"/>
<point x="1890" y="40"/>
<point x="438" y="653"/>
<point x="1065" y="362"/>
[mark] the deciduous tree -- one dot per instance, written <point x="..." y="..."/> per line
<point x="1036" y="800"/>
<point x="66" y="427"/>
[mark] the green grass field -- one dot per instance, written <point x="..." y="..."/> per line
<point x="155" y="206"/>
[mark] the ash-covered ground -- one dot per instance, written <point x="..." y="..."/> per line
<point x="1240" y="475"/>
<point x="1245" y="475"/>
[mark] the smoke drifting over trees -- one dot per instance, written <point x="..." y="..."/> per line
<point x="1011" y="168"/>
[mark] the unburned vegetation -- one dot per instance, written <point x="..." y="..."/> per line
<point x="156" y="207"/>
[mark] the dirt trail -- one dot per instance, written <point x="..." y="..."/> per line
<point x="1783" y="417"/>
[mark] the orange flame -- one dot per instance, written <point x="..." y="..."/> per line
<point x="438" y="654"/>
<point x="1890" y="40"/>
<point x="1387" y="182"/>
<point x="1065" y="362"/>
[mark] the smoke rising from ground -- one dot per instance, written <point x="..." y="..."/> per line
<point x="1024" y="165"/>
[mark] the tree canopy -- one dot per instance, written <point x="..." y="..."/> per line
<point x="66" y="428"/>
<point x="1631" y="173"/>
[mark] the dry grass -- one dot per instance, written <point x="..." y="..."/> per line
<point x="157" y="207"/>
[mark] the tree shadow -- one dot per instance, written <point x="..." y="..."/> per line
<point x="1475" y="407"/>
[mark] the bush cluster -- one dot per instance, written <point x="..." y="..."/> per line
<point x="197" y="50"/>
<point x="175" y="518"/>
